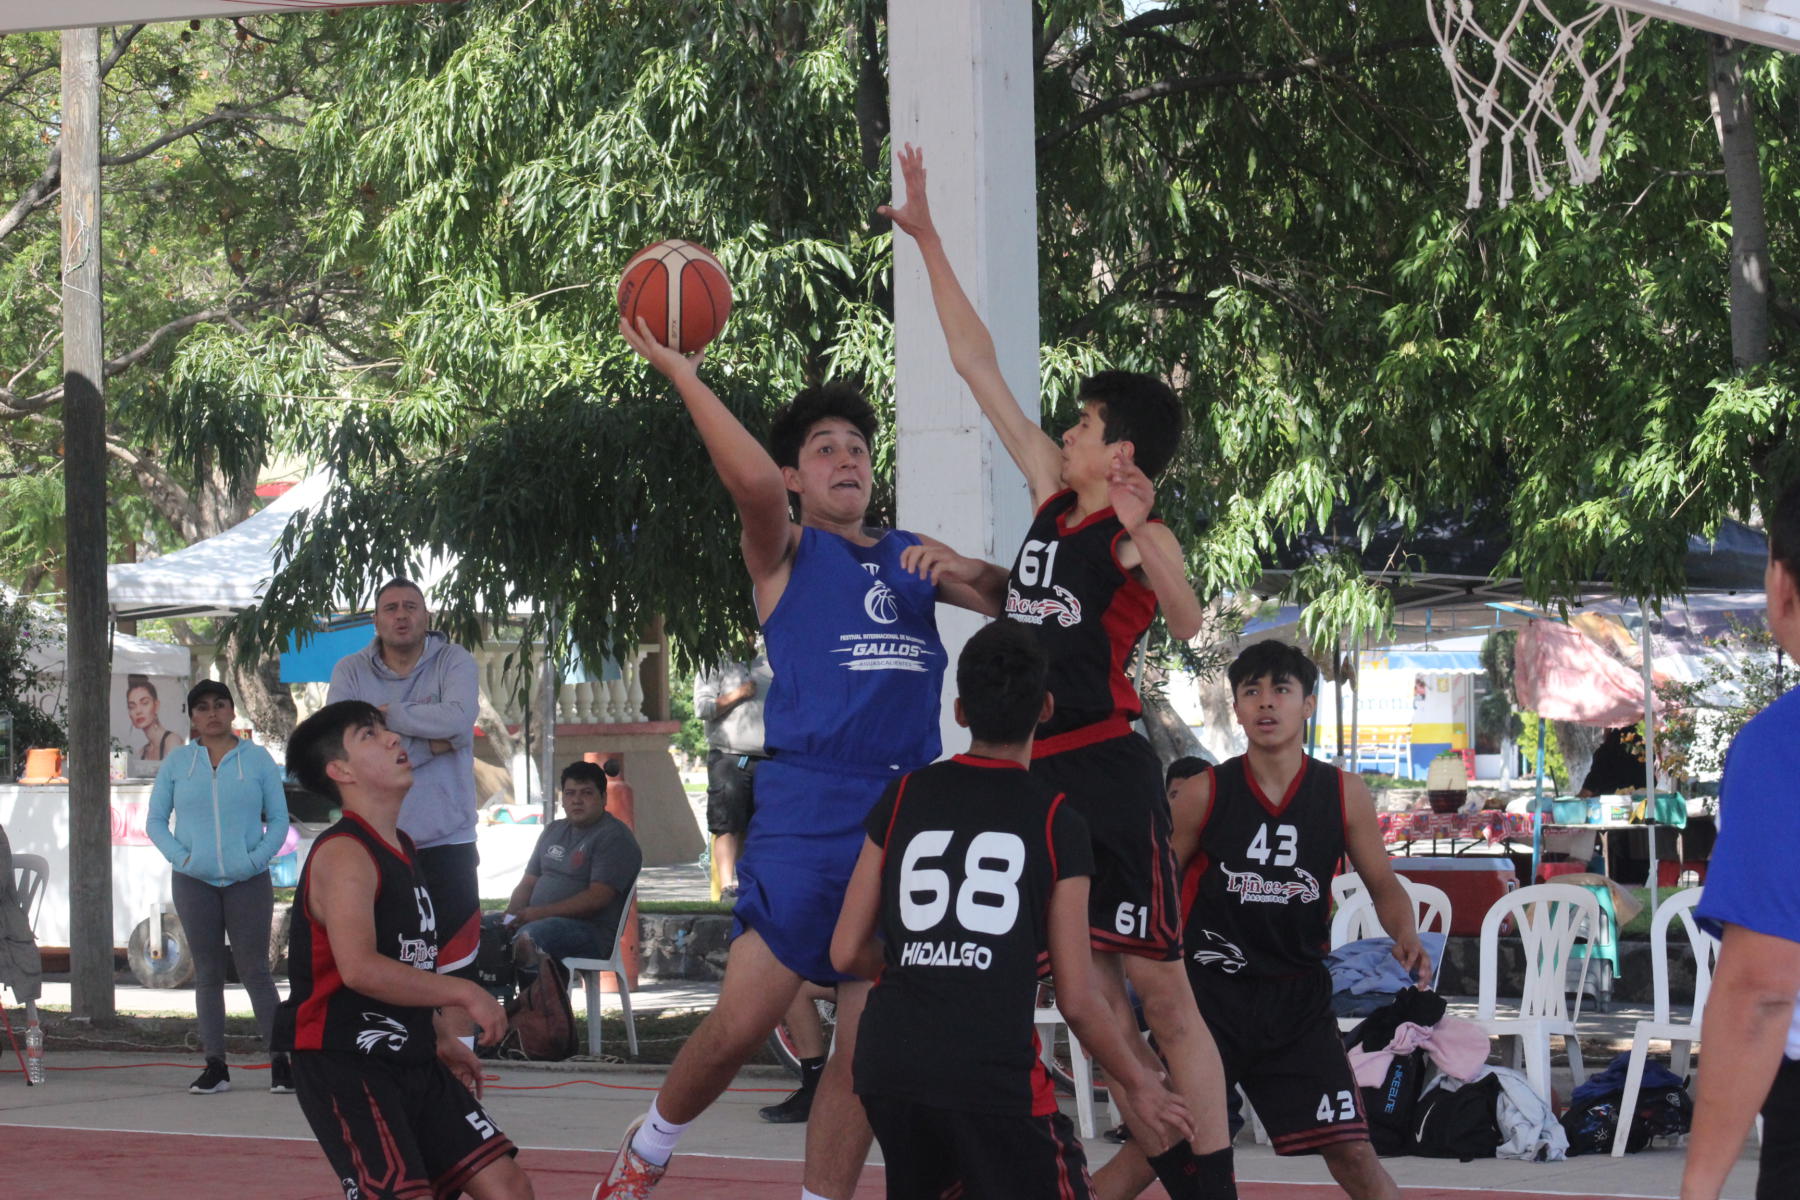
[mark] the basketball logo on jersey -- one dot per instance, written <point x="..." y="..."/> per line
<point x="1248" y="886"/>
<point x="879" y="600"/>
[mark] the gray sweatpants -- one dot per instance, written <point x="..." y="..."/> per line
<point x="243" y="910"/>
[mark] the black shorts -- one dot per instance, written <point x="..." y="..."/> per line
<point x="1116" y="785"/>
<point x="1781" y="1134"/>
<point x="1280" y="1041"/>
<point x="933" y="1152"/>
<point x="395" y="1131"/>
<point x="449" y="874"/>
<point x="730" y="790"/>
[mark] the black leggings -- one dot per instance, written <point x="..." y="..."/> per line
<point x="208" y="914"/>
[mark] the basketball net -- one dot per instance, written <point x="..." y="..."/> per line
<point x="1534" y="67"/>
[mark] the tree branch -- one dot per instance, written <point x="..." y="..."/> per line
<point x="1164" y="88"/>
<point x="217" y="116"/>
<point x="121" y="43"/>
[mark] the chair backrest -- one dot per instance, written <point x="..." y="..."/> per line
<point x="1356" y="919"/>
<point x="31" y="872"/>
<point x="1550" y="917"/>
<point x="1345" y="886"/>
<point x="1704" y="945"/>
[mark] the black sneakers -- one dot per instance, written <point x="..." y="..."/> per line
<point x="281" y="1075"/>
<point x="792" y="1111"/>
<point x="215" y="1079"/>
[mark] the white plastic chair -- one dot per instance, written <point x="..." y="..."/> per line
<point x="1550" y="918"/>
<point x="1355" y="919"/>
<point x="1046" y="1017"/>
<point x="1681" y="1035"/>
<point x="589" y="970"/>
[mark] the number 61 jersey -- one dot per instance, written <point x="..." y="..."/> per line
<point x="972" y="849"/>
<point x="1256" y="896"/>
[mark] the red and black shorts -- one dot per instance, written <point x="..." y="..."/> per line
<point x="450" y="879"/>
<point x="1116" y="785"/>
<point x="1279" y="1040"/>
<point x="945" y="1154"/>
<point x="393" y="1130"/>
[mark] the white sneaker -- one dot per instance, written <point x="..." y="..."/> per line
<point x="632" y="1177"/>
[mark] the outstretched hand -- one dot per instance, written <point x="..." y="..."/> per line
<point x="939" y="564"/>
<point x="914" y="216"/>
<point x="1128" y="489"/>
<point x="672" y="363"/>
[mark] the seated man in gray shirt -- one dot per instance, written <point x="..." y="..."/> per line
<point x="572" y="897"/>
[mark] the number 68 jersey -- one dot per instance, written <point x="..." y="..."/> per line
<point x="1256" y="896"/>
<point x="972" y="849"/>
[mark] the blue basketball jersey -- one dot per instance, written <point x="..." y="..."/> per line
<point x="859" y="666"/>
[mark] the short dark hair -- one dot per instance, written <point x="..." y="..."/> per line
<point x="1140" y="409"/>
<point x="582" y="771"/>
<point x="1000" y="681"/>
<point x="398" y="581"/>
<point x="319" y="741"/>
<point x="1185" y="767"/>
<point x="812" y="405"/>
<point x="1783" y="524"/>
<point x="1278" y="661"/>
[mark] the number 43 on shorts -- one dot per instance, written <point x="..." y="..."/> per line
<point x="1341" y="1107"/>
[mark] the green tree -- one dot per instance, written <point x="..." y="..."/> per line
<point x="23" y="684"/>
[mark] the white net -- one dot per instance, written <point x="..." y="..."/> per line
<point x="1518" y="64"/>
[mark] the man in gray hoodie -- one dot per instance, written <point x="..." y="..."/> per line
<point x="427" y="690"/>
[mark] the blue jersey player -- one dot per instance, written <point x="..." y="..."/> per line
<point x="858" y="671"/>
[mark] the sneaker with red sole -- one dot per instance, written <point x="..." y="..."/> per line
<point x="632" y="1177"/>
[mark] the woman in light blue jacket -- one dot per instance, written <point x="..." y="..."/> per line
<point x="230" y="819"/>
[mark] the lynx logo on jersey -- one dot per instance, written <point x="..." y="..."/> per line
<point x="1253" y="888"/>
<point x="1064" y="609"/>
<point x="1220" y="953"/>
<point x="386" y="1034"/>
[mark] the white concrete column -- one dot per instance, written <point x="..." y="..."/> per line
<point x="961" y="89"/>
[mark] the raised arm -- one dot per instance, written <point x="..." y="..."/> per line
<point x="743" y="465"/>
<point x="1035" y="452"/>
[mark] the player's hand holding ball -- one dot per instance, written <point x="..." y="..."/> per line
<point x="673" y="300"/>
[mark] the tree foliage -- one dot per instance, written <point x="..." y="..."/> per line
<point x="1264" y="202"/>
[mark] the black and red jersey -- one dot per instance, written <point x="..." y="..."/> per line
<point x="1256" y="896"/>
<point x="321" y="1013"/>
<point x="972" y="850"/>
<point x="1088" y="611"/>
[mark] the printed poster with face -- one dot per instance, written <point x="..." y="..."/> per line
<point x="149" y="720"/>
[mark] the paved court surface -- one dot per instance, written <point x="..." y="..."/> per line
<point x="112" y="1124"/>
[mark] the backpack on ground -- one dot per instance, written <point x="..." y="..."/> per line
<point x="1462" y="1124"/>
<point x="1663" y="1109"/>
<point x="540" y="1020"/>
<point x="1389" y="1106"/>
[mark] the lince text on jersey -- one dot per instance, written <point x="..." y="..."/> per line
<point x="946" y="954"/>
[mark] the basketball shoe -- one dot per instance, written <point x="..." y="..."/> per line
<point x="631" y="1176"/>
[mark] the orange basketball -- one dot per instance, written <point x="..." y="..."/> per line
<point x="681" y="292"/>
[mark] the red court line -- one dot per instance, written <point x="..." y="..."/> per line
<point x="76" y="1164"/>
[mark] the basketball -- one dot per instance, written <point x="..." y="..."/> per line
<point x="681" y="292"/>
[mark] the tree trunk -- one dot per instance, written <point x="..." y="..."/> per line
<point x="1577" y="743"/>
<point x="1169" y="735"/>
<point x="1734" y="118"/>
<point x="263" y="698"/>
<point x="84" y="499"/>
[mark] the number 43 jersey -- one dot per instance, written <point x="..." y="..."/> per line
<point x="972" y="849"/>
<point x="1257" y="893"/>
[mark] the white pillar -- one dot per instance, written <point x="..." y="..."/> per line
<point x="961" y="89"/>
